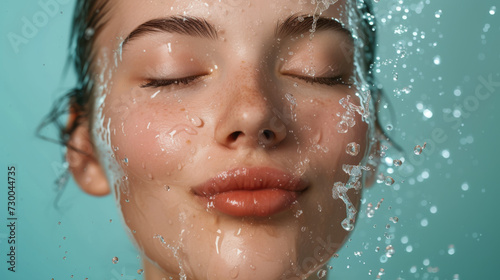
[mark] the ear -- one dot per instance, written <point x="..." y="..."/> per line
<point x="83" y="163"/>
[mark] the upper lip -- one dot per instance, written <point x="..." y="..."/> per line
<point x="250" y="179"/>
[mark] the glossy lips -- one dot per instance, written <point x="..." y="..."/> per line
<point x="251" y="191"/>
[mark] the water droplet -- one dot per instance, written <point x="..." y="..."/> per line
<point x="438" y="13"/>
<point x="451" y="249"/>
<point x="348" y="224"/>
<point x="388" y="181"/>
<point x="394" y="219"/>
<point x="352" y="149"/>
<point x="417" y="150"/>
<point x="140" y="271"/>
<point x="428" y="113"/>
<point x="437" y="60"/>
<point x="321" y="273"/>
<point x="125" y="161"/>
<point x="114" y="260"/>
<point x="89" y="32"/>
<point x="291" y="99"/>
<point x="445" y="153"/>
<point x="397" y="162"/>
<point x="493" y="10"/>
<point x="389" y="127"/>
<point x="342" y="127"/>
<point x="370" y="213"/>
<point x="406" y="90"/>
<point x="234" y="272"/>
<point x="389" y="251"/>
<point x="424" y="222"/>
<point x="400" y="29"/>
<point x="196" y="121"/>
<point x="298" y="213"/>
<point x="465" y="187"/>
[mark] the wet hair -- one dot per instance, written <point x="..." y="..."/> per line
<point x="89" y="20"/>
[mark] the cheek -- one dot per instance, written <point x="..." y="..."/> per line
<point x="151" y="140"/>
<point x="337" y="136"/>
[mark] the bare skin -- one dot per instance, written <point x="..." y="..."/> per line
<point x="179" y="109"/>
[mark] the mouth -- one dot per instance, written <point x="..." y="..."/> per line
<point x="258" y="191"/>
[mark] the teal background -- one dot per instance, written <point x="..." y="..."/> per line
<point x="446" y="205"/>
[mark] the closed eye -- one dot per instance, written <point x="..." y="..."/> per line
<point x="156" y="83"/>
<point x="329" y="81"/>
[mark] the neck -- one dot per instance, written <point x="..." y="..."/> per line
<point x="153" y="272"/>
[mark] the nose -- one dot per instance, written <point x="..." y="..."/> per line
<point x="249" y="119"/>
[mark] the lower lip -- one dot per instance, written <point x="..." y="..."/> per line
<point x="257" y="203"/>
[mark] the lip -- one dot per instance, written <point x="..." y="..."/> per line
<point x="256" y="191"/>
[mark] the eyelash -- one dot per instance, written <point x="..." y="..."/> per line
<point x="153" y="83"/>
<point x="329" y="81"/>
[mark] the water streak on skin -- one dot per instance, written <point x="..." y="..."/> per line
<point x="181" y="128"/>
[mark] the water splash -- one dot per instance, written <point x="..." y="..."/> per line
<point x="340" y="189"/>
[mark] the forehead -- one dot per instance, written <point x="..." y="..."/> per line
<point x="235" y="17"/>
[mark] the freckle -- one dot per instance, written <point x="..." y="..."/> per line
<point x="183" y="109"/>
<point x="188" y="141"/>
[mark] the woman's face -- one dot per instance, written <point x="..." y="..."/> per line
<point x="227" y="134"/>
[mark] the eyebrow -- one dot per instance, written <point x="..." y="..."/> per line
<point x="300" y="24"/>
<point x="184" y="25"/>
<point x="199" y="27"/>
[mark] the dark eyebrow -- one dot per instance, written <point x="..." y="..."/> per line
<point x="184" y="25"/>
<point x="301" y="24"/>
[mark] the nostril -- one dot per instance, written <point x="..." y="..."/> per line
<point x="268" y="134"/>
<point x="266" y="137"/>
<point x="233" y="136"/>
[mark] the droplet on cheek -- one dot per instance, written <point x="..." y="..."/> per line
<point x="234" y="272"/>
<point x="352" y="149"/>
<point x="196" y="121"/>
